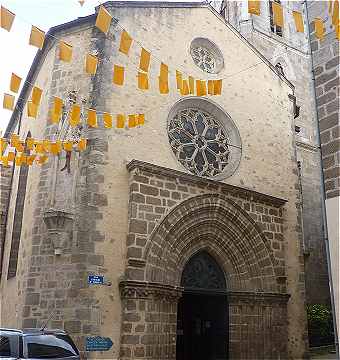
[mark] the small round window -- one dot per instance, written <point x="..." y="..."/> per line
<point x="204" y="139"/>
<point x="206" y="55"/>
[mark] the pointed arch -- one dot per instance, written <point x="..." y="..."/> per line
<point x="219" y="226"/>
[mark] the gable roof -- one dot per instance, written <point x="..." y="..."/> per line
<point x="83" y="21"/>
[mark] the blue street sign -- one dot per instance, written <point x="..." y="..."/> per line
<point x="98" y="343"/>
<point x="95" y="280"/>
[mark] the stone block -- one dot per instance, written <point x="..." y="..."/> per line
<point x="138" y="226"/>
<point x="333" y="84"/>
<point x="329" y="122"/>
<point x="326" y="98"/>
<point x="332" y="63"/>
<point x="73" y="326"/>
<point x="149" y="190"/>
<point x="32" y="299"/>
<point x="130" y="339"/>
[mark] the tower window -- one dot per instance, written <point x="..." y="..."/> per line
<point x="274" y="28"/>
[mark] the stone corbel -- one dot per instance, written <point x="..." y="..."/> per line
<point x="59" y="224"/>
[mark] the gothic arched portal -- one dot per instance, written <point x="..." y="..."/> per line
<point x="202" y="314"/>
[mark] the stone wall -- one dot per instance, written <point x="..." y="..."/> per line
<point x="98" y="185"/>
<point x="291" y="50"/>
<point x="174" y="215"/>
<point x="326" y="72"/>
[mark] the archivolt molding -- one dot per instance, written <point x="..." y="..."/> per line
<point x="226" y="231"/>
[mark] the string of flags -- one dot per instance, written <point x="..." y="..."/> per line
<point x="65" y="51"/>
<point x="254" y="7"/>
<point x="33" y="151"/>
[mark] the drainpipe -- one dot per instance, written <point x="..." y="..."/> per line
<point x="323" y="203"/>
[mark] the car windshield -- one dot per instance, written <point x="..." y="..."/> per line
<point x="50" y="346"/>
<point x="5" y="349"/>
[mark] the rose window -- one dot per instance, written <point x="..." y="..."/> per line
<point x="204" y="59"/>
<point x="199" y="142"/>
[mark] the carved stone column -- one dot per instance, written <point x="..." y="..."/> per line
<point x="59" y="224"/>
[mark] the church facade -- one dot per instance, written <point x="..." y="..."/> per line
<point x="193" y="219"/>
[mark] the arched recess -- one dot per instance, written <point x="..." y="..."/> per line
<point x="219" y="226"/>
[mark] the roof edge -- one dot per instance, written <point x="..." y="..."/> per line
<point x="35" y="64"/>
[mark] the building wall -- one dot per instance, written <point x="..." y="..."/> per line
<point x="292" y="52"/>
<point x="98" y="186"/>
<point x="326" y="72"/>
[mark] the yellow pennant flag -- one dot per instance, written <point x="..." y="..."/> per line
<point x="125" y="43"/>
<point x="42" y="159"/>
<point x="103" y="20"/>
<point x="20" y="159"/>
<point x="107" y="119"/>
<point x="68" y="145"/>
<point x="278" y="14"/>
<point x="185" y="88"/>
<point x="254" y="7"/>
<point x="120" y="121"/>
<point x="3" y="145"/>
<point x="164" y="72"/>
<point x="201" y="88"/>
<point x="140" y="119"/>
<point x="163" y="86"/>
<point x="82" y="144"/>
<point x="143" y="81"/>
<point x="55" y="147"/>
<point x="118" y="75"/>
<point x="191" y="85"/>
<point x="65" y="51"/>
<point x="6" y="19"/>
<point x="37" y="37"/>
<point x="4" y="160"/>
<point x="8" y="102"/>
<point x="337" y="31"/>
<point x="47" y="145"/>
<point x="298" y="21"/>
<point x="330" y="5"/>
<point x="32" y="109"/>
<point x="132" y="121"/>
<point x="30" y="159"/>
<point x="335" y="16"/>
<point x="211" y="87"/>
<point x="179" y="79"/>
<point x="15" y="83"/>
<point x="36" y="95"/>
<point x="92" y="118"/>
<point x="14" y="140"/>
<point x="74" y="117"/>
<point x="11" y="156"/>
<point x="91" y="64"/>
<point x="29" y="143"/>
<point x="144" y="61"/>
<point x="57" y="110"/>
<point x="319" y="28"/>
<point x="218" y="87"/>
<point x="39" y="147"/>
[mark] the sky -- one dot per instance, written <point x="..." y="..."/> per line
<point x="16" y="54"/>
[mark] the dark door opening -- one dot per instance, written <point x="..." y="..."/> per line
<point x="202" y="327"/>
<point x="202" y="314"/>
